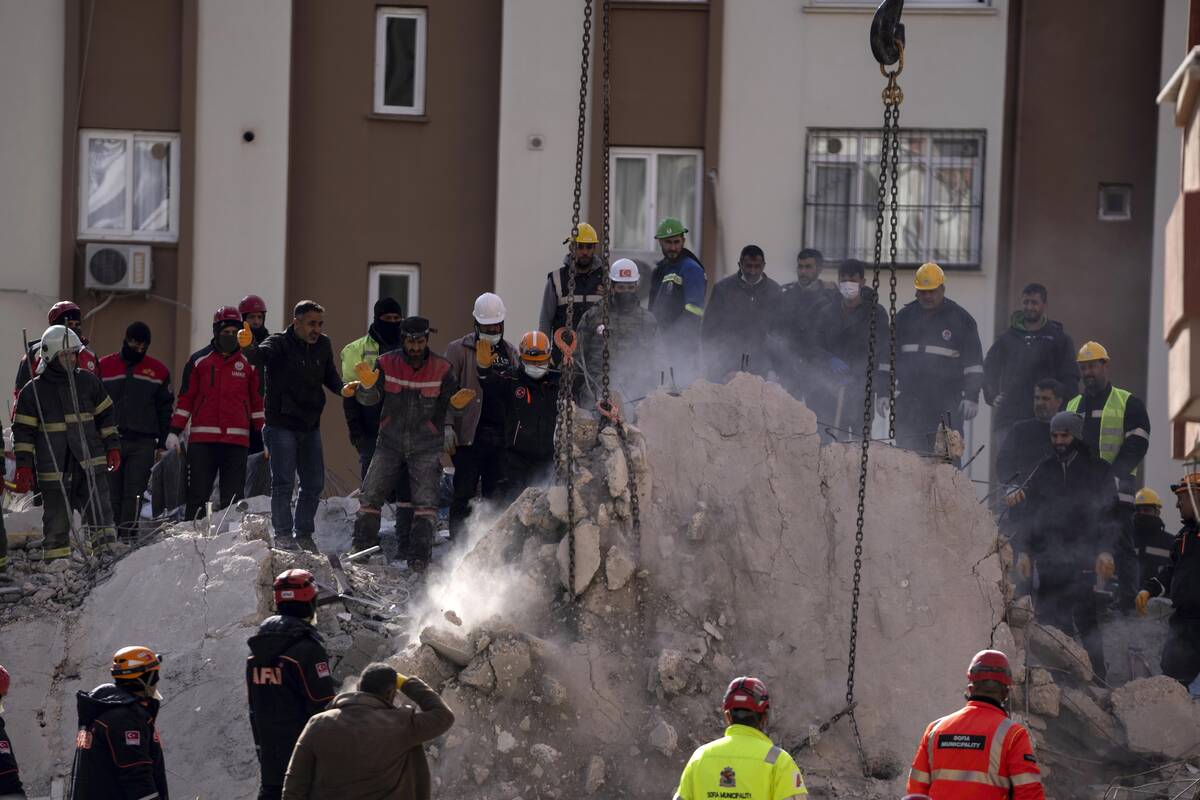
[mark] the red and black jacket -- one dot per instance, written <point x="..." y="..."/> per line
<point x="221" y="403"/>
<point x="142" y="394"/>
<point x="10" y="780"/>
<point x="118" y="752"/>
<point x="414" y="401"/>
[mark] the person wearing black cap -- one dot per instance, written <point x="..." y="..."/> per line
<point x="383" y="336"/>
<point x="140" y="388"/>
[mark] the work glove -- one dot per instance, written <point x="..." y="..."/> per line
<point x="1106" y="568"/>
<point x="837" y="366"/>
<point x="245" y="336"/>
<point x="450" y="441"/>
<point x="484" y="357"/>
<point x="1014" y="498"/>
<point x="1024" y="566"/>
<point x="998" y="400"/>
<point x="401" y="680"/>
<point x="882" y="405"/>
<point x="114" y="460"/>
<point x="461" y="399"/>
<point x="968" y="409"/>
<point x="1142" y="602"/>
<point x="366" y="374"/>
<point x="172" y="441"/>
<point x="23" y="480"/>
<point x="351" y="388"/>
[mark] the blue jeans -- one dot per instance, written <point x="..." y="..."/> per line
<point x="295" y="453"/>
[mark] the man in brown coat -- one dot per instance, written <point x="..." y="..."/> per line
<point x="330" y="761"/>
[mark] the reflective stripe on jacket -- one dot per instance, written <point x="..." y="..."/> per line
<point x="414" y="401"/>
<point x="46" y="424"/>
<point x="1112" y="422"/>
<point x="976" y="753"/>
<point x="745" y="764"/>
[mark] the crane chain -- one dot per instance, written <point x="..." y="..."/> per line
<point x="565" y="427"/>
<point x="605" y="232"/>
<point x="888" y="194"/>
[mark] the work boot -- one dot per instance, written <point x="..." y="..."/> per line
<point x="366" y="532"/>
<point x="286" y="542"/>
<point x="418" y="565"/>
<point x="306" y="543"/>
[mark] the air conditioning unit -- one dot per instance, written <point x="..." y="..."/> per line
<point x="118" y="268"/>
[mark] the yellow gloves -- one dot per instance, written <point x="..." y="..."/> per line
<point x="1014" y="498"/>
<point x="462" y="398"/>
<point x="484" y="356"/>
<point x="367" y="375"/>
<point x="245" y="336"/>
<point x="1142" y="602"/>
<point x="1106" y="568"/>
<point x="401" y="680"/>
<point x="351" y="388"/>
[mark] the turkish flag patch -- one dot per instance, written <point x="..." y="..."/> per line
<point x="133" y="739"/>
<point x="323" y="669"/>
<point x="5" y="747"/>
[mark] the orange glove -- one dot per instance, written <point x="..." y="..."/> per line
<point x="245" y="336"/>
<point x="1014" y="498"/>
<point x="367" y="376"/>
<point x="351" y="388"/>
<point x="461" y="399"/>
<point x="1106" y="568"/>
<point x="484" y="357"/>
<point x="23" y="481"/>
<point x="1142" y="602"/>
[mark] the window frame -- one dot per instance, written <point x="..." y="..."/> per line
<point x="382" y="15"/>
<point x="912" y="5"/>
<point x="928" y="163"/>
<point x="650" y="155"/>
<point x="411" y="271"/>
<point x="128" y="234"/>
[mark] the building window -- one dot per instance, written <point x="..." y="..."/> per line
<point x="402" y="282"/>
<point x="128" y="186"/>
<point x="910" y="4"/>
<point x="1116" y="202"/>
<point x="940" y="195"/>
<point x="400" y="61"/>
<point x="647" y="186"/>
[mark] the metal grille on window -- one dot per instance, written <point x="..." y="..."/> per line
<point x="940" y="193"/>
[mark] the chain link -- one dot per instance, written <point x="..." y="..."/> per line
<point x="605" y="236"/>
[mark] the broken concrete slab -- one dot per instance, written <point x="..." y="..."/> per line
<point x="587" y="556"/>
<point x="449" y="644"/>
<point x="618" y="568"/>
<point x="674" y="671"/>
<point x="1051" y="647"/>
<point x="1044" y="694"/>
<point x="1094" y="721"/>
<point x="1159" y="716"/>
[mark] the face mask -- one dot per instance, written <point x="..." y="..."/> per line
<point x="130" y="355"/>
<point x="625" y="300"/>
<point x="490" y="338"/>
<point x="535" y="371"/>
<point x="388" y="332"/>
<point x="849" y="289"/>
<point x="227" y="342"/>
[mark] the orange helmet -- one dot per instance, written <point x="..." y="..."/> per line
<point x="134" y="663"/>
<point x="535" y="347"/>
<point x="1189" y="482"/>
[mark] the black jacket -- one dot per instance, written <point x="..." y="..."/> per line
<point x="736" y="322"/>
<point x="1153" y="546"/>
<point x="1018" y="359"/>
<point x="846" y="334"/>
<point x="1072" y="506"/>
<point x="10" y="780"/>
<point x="530" y="410"/>
<point x="938" y="355"/>
<point x="51" y="393"/>
<point x="1026" y="446"/>
<point x="589" y="287"/>
<point x="295" y="372"/>
<point x="142" y="395"/>
<point x="288" y="679"/>
<point x="118" y="754"/>
<point x="1180" y="580"/>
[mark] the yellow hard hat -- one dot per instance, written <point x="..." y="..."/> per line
<point x="1147" y="497"/>
<point x="1092" y="351"/>
<point x="586" y="235"/>
<point x="929" y="276"/>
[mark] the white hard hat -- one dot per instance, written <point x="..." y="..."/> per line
<point x="55" y="340"/>
<point x="489" y="309"/>
<point x="624" y="270"/>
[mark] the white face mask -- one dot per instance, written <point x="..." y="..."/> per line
<point x="490" y="338"/>
<point x="535" y="371"/>
<point x="849" y="289"/>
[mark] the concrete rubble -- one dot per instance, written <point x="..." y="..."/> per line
<point x="742" y="564"/>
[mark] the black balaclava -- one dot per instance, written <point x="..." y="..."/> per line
<point x="386" y="333"/>
<point x="139" y="332"/>
<point x="225" y="337"/>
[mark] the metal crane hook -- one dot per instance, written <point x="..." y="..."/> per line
<point x="887" y="32"/>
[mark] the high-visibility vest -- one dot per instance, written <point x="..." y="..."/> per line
<point x="743" y="764"/>
<point x="1112" y="422"/>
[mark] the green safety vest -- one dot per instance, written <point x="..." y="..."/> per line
<point x="364" y="349"/>
<point x="1112" y="422"/>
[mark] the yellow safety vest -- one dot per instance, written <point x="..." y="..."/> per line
<point x="364" y="349"/>
<point x="1112" y="422"/>
<point x="742" y="765"/>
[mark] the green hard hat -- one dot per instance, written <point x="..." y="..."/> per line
<point x="670" y="227"/>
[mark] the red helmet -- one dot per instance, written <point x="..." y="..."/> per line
<point x="747" y="693"/>
<point x="5" y="681"/>
<point x="252" y="304"/>
<point x="295" y="586"/>
<point x="227" y="314"/>
<point x="59" y="309"/>
<point x="990" y="665"/>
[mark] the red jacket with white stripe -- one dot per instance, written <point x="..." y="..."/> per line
<point x="414" y="400"/>
<point x="221" y="403"/>
<point x="142" y="395"/>
<point x="976" y="753"/>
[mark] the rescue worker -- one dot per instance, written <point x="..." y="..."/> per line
<point x="222" y="405"/>
<point x="631" y="337"/>
<point x="1115" y="423"/>
<point x="258" y="473"/>
<point x="809" y="292"/>
<point x="939" y="363"/>
<point x="10" y="778"/>
<point x="802" y="365"/>
<point x="330" y="760"/>
<point x="531" y="410"/>
<point x="589" y="284"/>
<point x="1151" y="540"/>
<point x="476" y="440"/>
<point x="417" y="389"/>
<point x="288" y="678"/>
<point x="65" y="426"/>
<point x="1180" y="582"/>
<point x="678" y="287"/>
<point x="734" y="329"/>
<point x="1034" y="347"/>
<point x="978" y="752"/>
<point x="5" y="578"/>
<point x="383" y="336"/>
<point x="297" y="364"/>
<point x="1028" y="442"/>
<point x="744" y="762"/>
<point x="140" y="387"/>
<point x="254" y="313"/>
<point x="67" y="314"/>
<point x="118" y="751"/>
<point x="1071" y="535"/>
